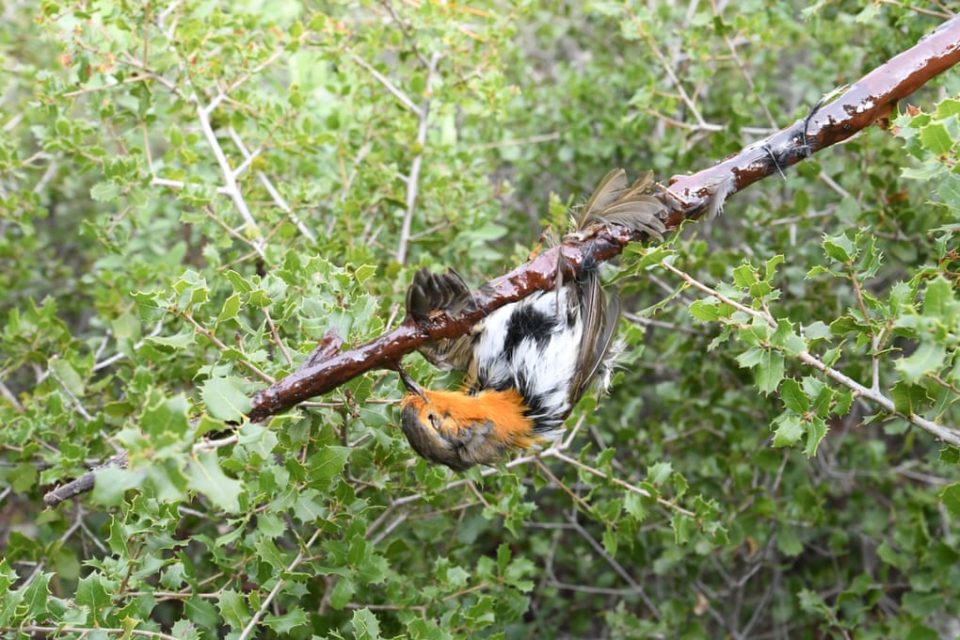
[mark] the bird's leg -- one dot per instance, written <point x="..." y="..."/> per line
<point x="805" y="150"/>
<point x="776" y="163"/>
<point x="558" y="281"/>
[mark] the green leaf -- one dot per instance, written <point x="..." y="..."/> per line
<point x="816" y="331"/>
<point x="233" y="609"/>
<point x="928" y="358"/>
<point x="812" y="602"/>
<point x="106" y="191"/>
<point x="787" y="339"/>
<point x="230" y="308"/>
<point x="816" y="432"/>
<point x="769" y="371"/>
<point x="365" y="625"/>
<point x="939" y="301"/>
<point x="68" y="376"/>
<point x="950" y="496"/>
<point x="342" y="593"/>
<point x="922" y="605"/>
<point x="328" y="464"/>
<point x="238" y="282"/>
<point x="705" y="311"/>
<point x="610" y="541"/>
<point x="788" y="542"/>
<point x="839" y="247"/>
<point x="169" y="416"/>
<point x="744" y="276"/>
<point x="789" y="430"/>
<point x="633" y="505"/>
<point x="364" y="272"/>
<point x="293" y="618"/>
<point x="269" y="553"/>
<point x="206" y="476"/>
<point x="659" y="473"/>
<point x="947" y="108"/>
<point x="34" y="596"/>
<point x="772" y="264"/>
<point x="683" y="526"/>
<point x="113" y="482"/>
<point x="908" y="398"/>
<point x="224" y="399"/>
<point x="793" y="396"/>
<point x="308" y="507"/>
<point x="176" y="342"/>
<point x="936" y="138"/>
<point x="24" y="476"/>
<point x="95" y="593"/>
<point x="184" y="630"/>
<point x="751" y="357"/>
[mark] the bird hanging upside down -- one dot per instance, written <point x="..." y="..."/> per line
<point x="527" y="363"/>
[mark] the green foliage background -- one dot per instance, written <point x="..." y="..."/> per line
<point x="725" y="488"/>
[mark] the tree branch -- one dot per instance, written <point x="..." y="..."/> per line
<point x="871" y="98"/>
<point x="862" y="104"/>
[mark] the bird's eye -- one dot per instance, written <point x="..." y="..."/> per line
<point x="434" y="420"/>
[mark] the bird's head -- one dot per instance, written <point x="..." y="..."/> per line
<point x="460" y="430"/>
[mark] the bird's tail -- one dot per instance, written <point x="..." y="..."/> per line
<point x="634" y="206"/>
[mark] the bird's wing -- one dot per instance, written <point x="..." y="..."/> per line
<point x="613" y="202"/>
<point x="441" y="292"/>
<point x="600" y="320"/>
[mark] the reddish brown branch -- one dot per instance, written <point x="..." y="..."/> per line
<point x="871" y="98"/>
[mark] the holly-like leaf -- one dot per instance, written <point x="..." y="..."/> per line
<point x="284" y="624"/>
<point x="769" y="371"/>
<point x="928" y="358"/>
<point x="224" y="399"/>
<point x="365" y="625"/>
<point x="206" y="476"/>
<point x="793" y="396"/>
<point x="233" y="608"/>
<point x="327" y="464"/>
<point x="789" y="430"/>
<point x="951" y="498"/>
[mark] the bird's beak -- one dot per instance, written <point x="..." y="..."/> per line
<point x="408" y="382"/>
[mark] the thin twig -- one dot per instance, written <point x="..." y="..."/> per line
<point x="945" y="433"/>
<point x="413" y="180"/>
<point x="271" y="189"/>
<point x="389" y="86"/>
<point x="229" y="176"/>
<point x="276" y="588"/>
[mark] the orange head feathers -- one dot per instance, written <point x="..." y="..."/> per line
<point x="460" y="430"/>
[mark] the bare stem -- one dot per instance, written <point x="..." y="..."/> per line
<point x="413" y="180"/>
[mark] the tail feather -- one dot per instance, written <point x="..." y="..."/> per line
<point x="606" y="193"/>
<point x="634" y="206"/>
